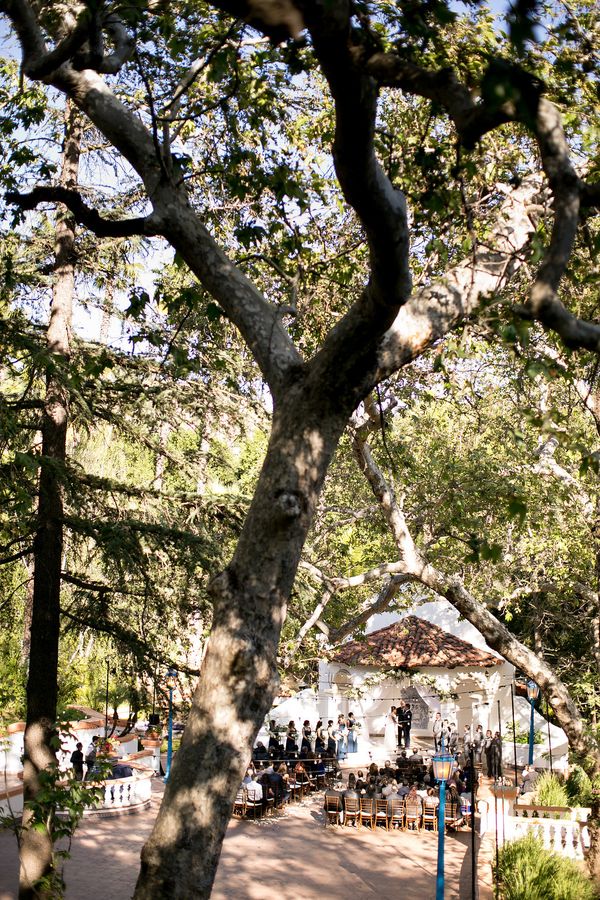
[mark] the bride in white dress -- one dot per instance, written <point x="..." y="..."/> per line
<point x="390" y="737"/>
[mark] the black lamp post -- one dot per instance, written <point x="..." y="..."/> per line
<point x="533" y="693"/>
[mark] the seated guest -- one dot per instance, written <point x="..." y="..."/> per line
<point x="391" y="788"/>
<point x="335" y="792"/>
<point x="300" y="773"/>
<point x="351" y="781"/>
<point x="351" y="790"/>
<point x="431" y="801"/>
<point x="361" y="784"/>
<point x="374" y="770"/>
<point x="416" y="757"/>
<point x="388" y="770"/>
<point x="264" y="781"/>
<point x="319" y="766"/>
<point x="402" y="789"/>
<point x="529" y="778"/>
<point x="253" y="789"/>
<point x="277" y="786"/>
<point x="260" y="752"/>
<point x="120" y="770"/>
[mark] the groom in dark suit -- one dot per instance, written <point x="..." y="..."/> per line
<point x="401" y="713"/>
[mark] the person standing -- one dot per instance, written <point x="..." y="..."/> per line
<point x="352" y="733"/>
<point x="496" y="756"/>
<point x="342" y="738"/>
<point x="452" y="739"/>
<point x="90" y="754"/>
<point x="487" y="746"/>
<point x="478" y="742"/>
<point x="400" y="717"/>
<point x="307" y="738"/>
<point x="466" y="742"/>
<point x="320" y="738"/>
<point x="390" y="736"/>
<point x="77" y="762"/>
<point x="407" y="725"/>
<point x="436" y="730"/>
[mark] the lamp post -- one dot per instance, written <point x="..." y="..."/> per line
<point x="443" y="766"/>
<point x="533" y="693"/>
<point x="170" y="681"/>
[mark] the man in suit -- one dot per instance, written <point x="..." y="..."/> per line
<point x="400" y="715"/>
<point x="407" y="724"/>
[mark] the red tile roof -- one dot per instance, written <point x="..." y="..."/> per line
<point x="413" y="643"/>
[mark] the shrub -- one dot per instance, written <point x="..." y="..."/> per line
<point x="526" y="871"/>
<point x="579" y="787"/>
<point x="550" y="791"/>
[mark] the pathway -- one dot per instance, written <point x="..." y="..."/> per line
<point x="279" y="858"/>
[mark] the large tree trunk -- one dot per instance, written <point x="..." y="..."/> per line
<point x="42" y="684"/>
<point x="238" y="677"/>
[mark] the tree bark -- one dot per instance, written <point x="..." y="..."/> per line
<point x="36" y="849"/>
<point x="238" y="677"/>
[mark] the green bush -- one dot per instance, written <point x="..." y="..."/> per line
<point x="579" y="787"/>
<point x="526" y="871"/>
<point x="550" y="791"/>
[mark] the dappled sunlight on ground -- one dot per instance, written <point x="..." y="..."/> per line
<point x="290" y="855"/>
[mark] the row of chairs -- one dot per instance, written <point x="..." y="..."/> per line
<point x="402" y="814"/>
<point x="246" y="807"/>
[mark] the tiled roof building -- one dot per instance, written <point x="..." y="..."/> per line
<point x="413" y="643"/>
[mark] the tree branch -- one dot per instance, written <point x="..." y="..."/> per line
<point x="84" y="214"/>
<point x="495" y="633"/>
<point x="387" y="594"/>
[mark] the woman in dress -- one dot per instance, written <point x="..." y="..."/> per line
<point x="307" y="738"/>
<point x="320" y="738"/>
<point x="390" y="738"/>
<point x="275" y="747"/>
<point x="342" y="738"/>
<point x="352" y="733"/>
<point x="291" y="741"/>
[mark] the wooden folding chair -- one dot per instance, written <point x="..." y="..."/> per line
<point x="254" y="807"/>
<point x="351" y="811"/>
<point x="413" y="811"/>
<point x="239" y="804"/>
<point x="452" y="815"/>
<point x="333" y="808"/>
<point x="430" y="817"/>
<point x="367" y="813"/>
<point x="397" y="813"/>
<point x="381" y="814"/>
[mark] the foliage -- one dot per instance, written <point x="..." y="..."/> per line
<point x="512" y="733"/>
<point x="550" y="790"/>
<point x="579" y="787"/>
<point x="526" y="871"/>
<point x="56" y="811"/>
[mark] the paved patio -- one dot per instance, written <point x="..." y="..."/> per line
<point x="280" y="858"/>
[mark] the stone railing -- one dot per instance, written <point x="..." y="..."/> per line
<point x="565" y="836"/>
<point x="125" y="794"/>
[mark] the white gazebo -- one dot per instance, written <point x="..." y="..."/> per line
<point x="439" y="663"/>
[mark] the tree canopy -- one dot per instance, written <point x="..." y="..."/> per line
<point x="335" y="198"/>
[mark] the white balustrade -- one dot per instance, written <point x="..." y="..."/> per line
<point x="120" y="793"/>
<point x="566" y="837"/>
